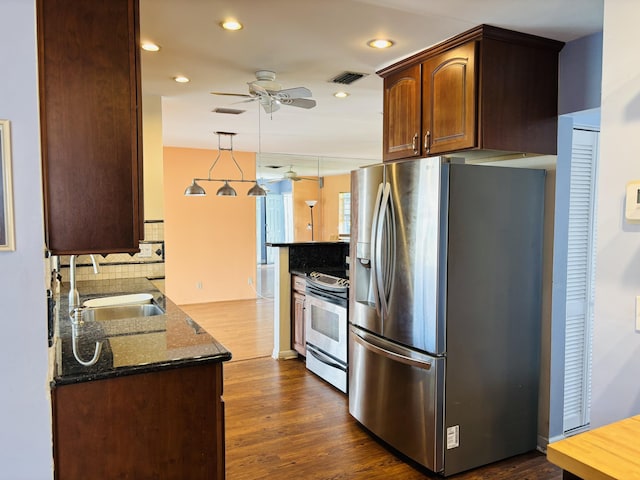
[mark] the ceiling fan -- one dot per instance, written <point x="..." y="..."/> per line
<point x="271" y="95"/>
<point x="293" y="176"/>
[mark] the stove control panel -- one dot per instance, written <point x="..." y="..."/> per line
<point x="329" y="280"/>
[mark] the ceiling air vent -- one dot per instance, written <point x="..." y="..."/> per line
<point x="228" y="111"/>
<point x="347" y="78"/>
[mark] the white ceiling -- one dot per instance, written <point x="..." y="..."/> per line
<point x="308" y="42"/>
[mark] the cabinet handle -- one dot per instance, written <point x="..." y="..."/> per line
<point x="427" y="140"/>
<point x="414" y="143"/>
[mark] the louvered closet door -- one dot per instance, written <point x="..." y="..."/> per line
<point x="580" y="273"/>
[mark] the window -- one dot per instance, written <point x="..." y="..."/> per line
<point x="344" y="214"/>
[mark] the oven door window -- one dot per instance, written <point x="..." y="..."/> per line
<point x="325" y="322"/>
<point x="326" y="327"/>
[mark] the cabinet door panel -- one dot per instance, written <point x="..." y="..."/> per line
<point x="449" y="101"/>
<point x="401" y="128"/>
<point x="90" y="120"/>
<point x="165" y="424"/>
<point x="299" y="341"/>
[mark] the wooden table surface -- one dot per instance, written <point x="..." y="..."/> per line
<point x="605" y="453"/>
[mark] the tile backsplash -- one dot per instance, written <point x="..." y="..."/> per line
<point x="124" y="265"/>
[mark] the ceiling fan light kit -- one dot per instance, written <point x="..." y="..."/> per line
<point x="226" y="190"/>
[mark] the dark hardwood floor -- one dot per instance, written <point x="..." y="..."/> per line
<point x="283" y="422"/>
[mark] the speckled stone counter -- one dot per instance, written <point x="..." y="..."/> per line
<point x="309" y="256"/>
<point x="129" y="346"/>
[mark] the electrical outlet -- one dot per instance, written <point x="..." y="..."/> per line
<point x="199" y="285"/>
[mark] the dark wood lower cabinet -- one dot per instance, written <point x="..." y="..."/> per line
<point x="166" y="424"/>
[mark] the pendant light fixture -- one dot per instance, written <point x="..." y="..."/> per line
<point x="226" y="190"/>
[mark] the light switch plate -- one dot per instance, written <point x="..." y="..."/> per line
<point x="632" y="202"/>
<point x="638" y="314"/>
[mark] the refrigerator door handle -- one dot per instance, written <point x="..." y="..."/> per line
<point x="370" y="344"/>
<point x="383" y="250"/>
<point x="374" y="248"/>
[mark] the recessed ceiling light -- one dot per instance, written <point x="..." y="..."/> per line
<point x="150" y="47"/>
<point x="182" y="79"/>
<point x="231" y="25"/>
<point x="380" y="43"/>
<point x="341" y="94"/>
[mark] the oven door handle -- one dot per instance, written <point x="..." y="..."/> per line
<point x="326" y="297"/>
<point x="324" y="358"/>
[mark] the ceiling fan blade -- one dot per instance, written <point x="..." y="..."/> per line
<point x="299" y="102"/>
<point x="252" y="99"/>
<point x="260" y="90"/>
<point x="298" y="92"/>
<point x="231" y="94"/>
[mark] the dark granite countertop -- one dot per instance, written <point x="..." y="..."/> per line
<point x="129" y="346"/>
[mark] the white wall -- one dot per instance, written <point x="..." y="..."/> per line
<point x="616" y="346"/>
<point x="576" y="94"/>
<point x="25" y="423"/>
<point x="580" y="74"/>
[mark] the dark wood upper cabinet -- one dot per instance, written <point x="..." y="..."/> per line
<point x="402" y="114"/>
<point x="90" y="115"/>
<point x="449" y="101"/>
<point x="485" y="89"/>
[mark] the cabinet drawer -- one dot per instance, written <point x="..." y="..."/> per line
<point x="299" y="284"/>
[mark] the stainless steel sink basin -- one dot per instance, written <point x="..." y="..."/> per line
<point x="128" y="299"/>
<point x="120" y="312"/>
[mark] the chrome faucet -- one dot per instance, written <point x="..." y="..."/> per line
<point x="75" y="312"/>
<point x="74" y="296"/>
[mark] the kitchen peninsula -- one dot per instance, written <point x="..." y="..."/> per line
<point x="152" y="402"/>
<point x="299" y="258"/>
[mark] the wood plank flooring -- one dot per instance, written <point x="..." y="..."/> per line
<point x="283" y="422"/>
<point x="245" y="327"/>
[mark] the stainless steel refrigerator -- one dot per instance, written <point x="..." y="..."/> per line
<point x="444" y="309"/>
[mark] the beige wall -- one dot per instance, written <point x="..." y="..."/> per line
<point x="333" y="185"/>
<point x="325" y="213"/>
<point x="209" y="240"/>
<point x="300" y="192"/>
<point x="152" y="157"/>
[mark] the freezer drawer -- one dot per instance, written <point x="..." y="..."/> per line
<point x="396" y="394"/>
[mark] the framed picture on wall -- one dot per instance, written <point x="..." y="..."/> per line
<point x="7" y="236"/>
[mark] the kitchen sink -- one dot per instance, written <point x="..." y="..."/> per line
<point x="132" y="298"/>
<point x="119" y="312"/>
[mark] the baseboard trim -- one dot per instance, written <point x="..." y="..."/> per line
<point x="284" y="354"/>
